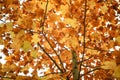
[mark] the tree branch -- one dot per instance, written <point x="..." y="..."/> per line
<point x="54" y="51"/>
<point x="97" y="48"/>
<point x="90" y="66"/>
<point x="85" y="59"/>
<point x="6" y="77"/>
<point x="48" y="43"/>
<point x="84" y="46"/>
<point x="42" y="25"/>
<point x="61" y="63"/>
<point x="29" y="30"/>
<point x="50" y="57"/>
<point x="74" y="65"/>
<point x="50" y="74"/>
<point x="89" y="72"/>
<point x="2" y="21"/>
<point x="46" y="37"/>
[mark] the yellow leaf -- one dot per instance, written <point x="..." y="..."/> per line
<point x="93" y="52"/>
<point x="91" y="4"/>
<point x="109" y="64"/>
<point x="6" y="79"/>
<point x="64" y="75"/>
<point x="34" y="53"/>
<point x="19" y="21"/>
<point x="12" y="34"/>
<point x="0" y="66"/>
<point x="8" y="2"/>
<point x="64" y="9"/>
<point x="81" y="39"/>
<point x="17" y="40"/>
<point x="26" y="46"/>
<point x="1" y="25"/>
<point x="35" y="38"/>
<point x="53" y="77"/>
<point x="117" y="72"/>
<point x="25" y="68"/>
<point x="36" y="25"/>
<point x="71" y="22"/>
<point x="74" y="42"/>
<point x="9" y="26"/>
<point x="70" y="41"/>
<point x="8" y="67"/>
<point x="23" y="78"/>
<point x="53" y="19"/>
<point x="118" y="39"/>
<point x="25" y="21"/>
<point x="65" y="38"/>
<point x="30" y="6"/>
<point x="42" y="5"/>
<point x="104" y="9"/>
<point x="46" y="45"/>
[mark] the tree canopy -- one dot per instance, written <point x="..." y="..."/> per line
<point x="60" y="39"/>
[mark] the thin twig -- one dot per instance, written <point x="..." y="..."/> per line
<point x="70" y="74"/>
<point x="85" y="59"/>
<point x="61" y="63"/>
<point x="84" y="46"/>
<point x="54" y="51"/>
<point x="90" y="66"/>
<point x="29" y="30"/>
<point x="48" y="43"/>
<point x="97" y="48"/>
<point x="50" y="57"/>
<point x="6" y="77"/>
<point x="89" y="72"/>
<point x="51" y="73"/>
<point x="44" y="16"/>
<point x="2" y="21"/>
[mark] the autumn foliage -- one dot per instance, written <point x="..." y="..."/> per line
<point x="60" y="39"/>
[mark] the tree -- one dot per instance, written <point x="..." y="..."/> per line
<point x="66" y="39"/>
